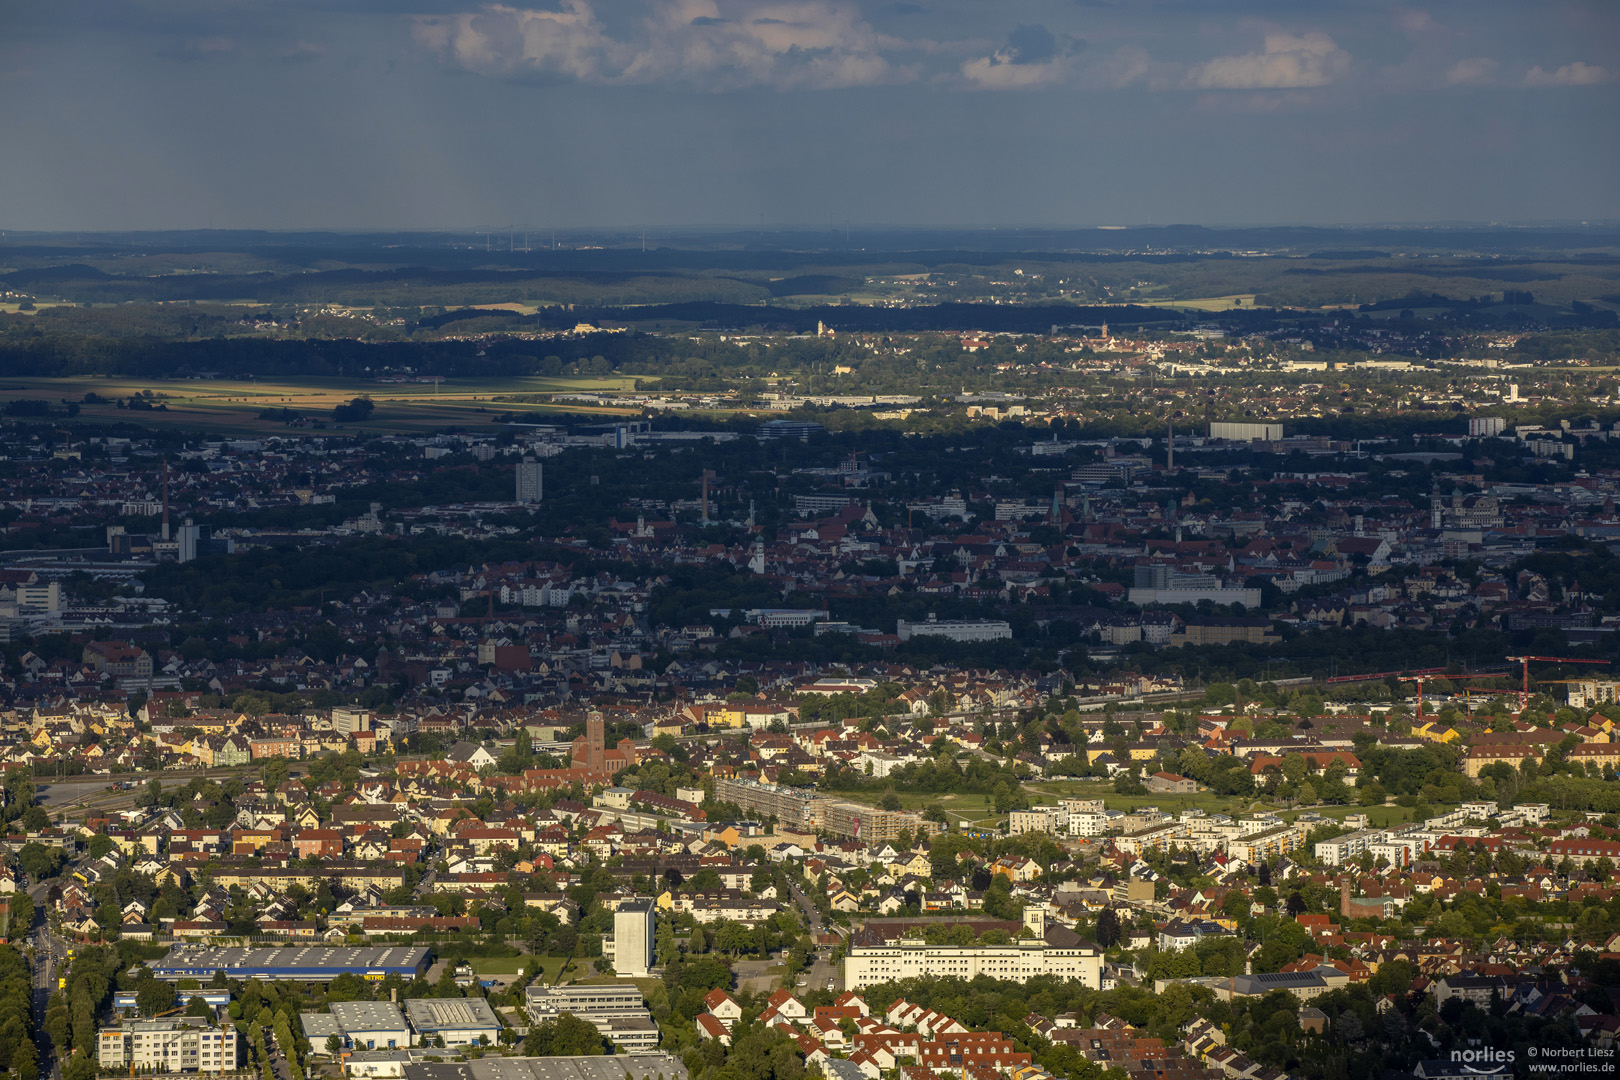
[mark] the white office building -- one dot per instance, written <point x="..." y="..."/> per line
<point x="619" y="1013"/>
<point x="633" y="938"/>
<point x="955" y="629"/>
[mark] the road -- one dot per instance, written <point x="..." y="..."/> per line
<point x="820" y="970"/>
<point x="50" y="956"/>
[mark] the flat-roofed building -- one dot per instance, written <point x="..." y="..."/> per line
<point x="458" y="1021"/>
<point x="1056" y="951"/>
<point x="314" y="963"/>
<point x="619" y="1013"/>
<point x="861" y="822"/>
<point x="633" y="931"/>
<point x="180" y="1044"/>
<point x="604" y="1067"/>
<point x="372" y="1025"/>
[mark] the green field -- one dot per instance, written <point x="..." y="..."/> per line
<point x="502" y="965"/>
<point x="1380" y="816"/>
<point x="1207" y="303"/>
<point x="233" y="405"/>
<point x="507" y="966"/>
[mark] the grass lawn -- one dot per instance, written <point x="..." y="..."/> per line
<point x="549" y="967"/>
<point x="1381" y="817"/>
<point x="499" y="965"/>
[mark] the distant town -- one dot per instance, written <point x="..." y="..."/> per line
<point x="481" y="693"/>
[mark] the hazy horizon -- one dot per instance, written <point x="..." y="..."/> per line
<point x="444" y="115"/>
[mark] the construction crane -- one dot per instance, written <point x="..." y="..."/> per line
<point x="1524" y="688"/>
<point x="1428" y="676"/>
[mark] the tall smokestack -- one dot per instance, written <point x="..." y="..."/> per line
<point x="1170" y="465"/>
<point x="165" y="500"/>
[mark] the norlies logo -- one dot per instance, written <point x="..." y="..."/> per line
<point x="1483" y="1062"/>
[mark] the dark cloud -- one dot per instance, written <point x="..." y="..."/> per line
<point x="1033" y="44"/>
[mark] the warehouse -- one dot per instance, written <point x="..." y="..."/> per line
<point x="602" y="1067"/>
<point x="458" y="1021"/>
<point x="306" y="963"/>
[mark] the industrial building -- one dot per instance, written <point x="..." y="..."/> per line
<point x="365" y="1025"/>
<point x="177" y="1044"/>
<point x="218" y="999"/>
<point x="458" y="1021"/>
<point x="1245" y="432"/>
<point x="307" y="963"/>
<point x="604" y="1067"/>
<point x="955" y="629"/>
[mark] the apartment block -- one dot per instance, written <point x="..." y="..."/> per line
<point x="183" y="1044"/>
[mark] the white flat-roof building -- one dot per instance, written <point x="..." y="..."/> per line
<point x="633" y="938"/>
<point x="362" y="1025"/>
<point x="619" y="1012"/>
<point x="181" y="1044"/>
<point x="955" y="629"/>
<point x="458" y="1021"/>
<point x="1055" y="950"/>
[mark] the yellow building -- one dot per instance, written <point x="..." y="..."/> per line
<point x="1434" y="732"/>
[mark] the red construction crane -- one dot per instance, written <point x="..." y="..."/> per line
<point x="1424" y="677"/>
<point x="1524" y="690"/>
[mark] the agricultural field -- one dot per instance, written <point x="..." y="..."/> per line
<point x="1208" y="303"/>
<point x="234" y="405"/>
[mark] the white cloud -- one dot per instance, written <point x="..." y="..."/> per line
<point x="1575" y="74"/>
<point x="1471" y="72"/>
<point x="1289" y="62"/>
<point x="1032" y="56"/>
<point x="711" y="44"/>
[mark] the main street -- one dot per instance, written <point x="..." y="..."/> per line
<point x="820" y="971"/>
<point x="50" y="957"/>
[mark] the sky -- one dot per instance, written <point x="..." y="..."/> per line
<point x="385" y="114"/>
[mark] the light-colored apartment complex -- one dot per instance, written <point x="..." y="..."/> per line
<point x="869" y="965"/>
<point x="183" y="1044"/>
<point x="1055" y="951"/>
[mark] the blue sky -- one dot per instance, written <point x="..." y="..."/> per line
<point x="672" y="113"/>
